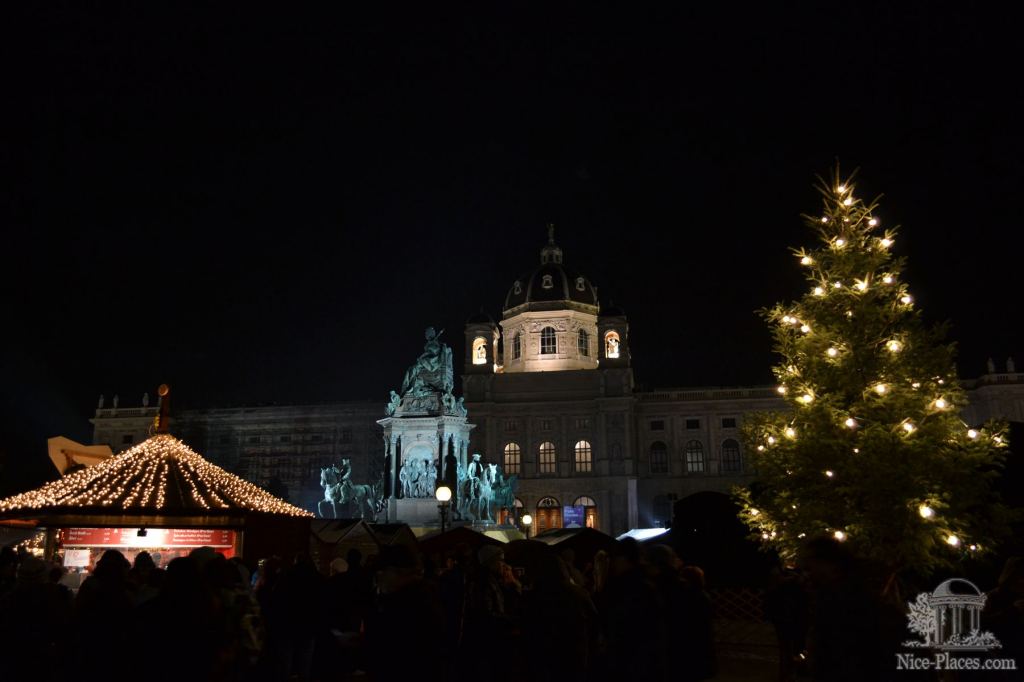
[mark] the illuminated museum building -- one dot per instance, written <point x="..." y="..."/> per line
<point x="551" y="392"/>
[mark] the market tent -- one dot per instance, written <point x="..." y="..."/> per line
<point x="439" y="543"/>
<point x="162" y="483"/>
<point x="584" y="542"/>
<point x="333" y="539"/>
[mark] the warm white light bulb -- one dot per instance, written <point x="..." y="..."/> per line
<point x="806" y="398"/>
<point x="850" y="422"/>
<point x="781" y="390"/>
<point x="830" y="473"/>
<point x="819" y="291"/>
<point x="771" y="440"/>
<point x="760" y="448"/>
<point x="953" y="541"/>
<point x="839" y="535"/>
<point x="885" y="242"/>
<point x="925" y="511"/>
<point x="842" y="189"/>
<point x="872" y="222"/>
<point x="894" y="346"/>
<point x="887" y="279"/>
<point x="840" y="242"/>
<point x="790" y="432"/>
<point x="848" y="201"/>
<point x="880" y="389"/>
<point x="973" y="548"/>
<point x="837" y="285"/>
<point x="786" y="319"/>
<point x="824" y="219"/>
<point x="940" y="404"/>
<point x="832" y="352"/>
<point x="861" y="286"/>
<point x="909" y="427"/>
<point x="972" y="434"/>
<point x="806" y="260"/>
<point x="906" y="299"/>
<point x="805" y="328"/>
<point x="754" y="512"/>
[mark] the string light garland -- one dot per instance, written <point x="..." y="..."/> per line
<point x="160" y="474"/>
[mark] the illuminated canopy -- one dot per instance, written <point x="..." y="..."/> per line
<point x="160" y="476"/>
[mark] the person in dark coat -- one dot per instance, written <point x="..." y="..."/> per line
<point x="405" y="633"/>
<point x="632" y="618"/>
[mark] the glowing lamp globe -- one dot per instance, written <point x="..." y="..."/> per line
<point x="443" y="494"/>
<point x="527" y="519"/>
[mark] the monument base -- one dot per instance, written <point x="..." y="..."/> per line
<point x="416" y="511"/>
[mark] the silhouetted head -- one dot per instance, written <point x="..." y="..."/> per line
<point x="112" y="565"/>
<point x="826" y="560"/>
<point x="144" y="561"/>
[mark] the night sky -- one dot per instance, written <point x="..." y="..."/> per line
<point x="270" y="206"/>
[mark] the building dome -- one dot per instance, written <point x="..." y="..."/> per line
<point x="551" y="282"/>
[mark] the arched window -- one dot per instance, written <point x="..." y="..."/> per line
<point x="546" y="282"/>
<point x="583" y="343"/>
<point x="584" y="456"/>
<point x="659" y="458"/>
<point x="580" y="284"/>
<point x="549" y="514"/>
<point x="611" y="344"/>
<point x="589" y="510"/>
<point x="694" y="457"/>
<point x="517" y="288"/>
<point x="513" y="459"/>
<point x="517" y="346"/>
<point x="731" y="456"/>
<point x="548" y="341"/>
<point x="546" y="461"/>
<point x="479" y="351"/>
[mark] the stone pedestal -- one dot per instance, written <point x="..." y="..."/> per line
<point x="417" y="511"/>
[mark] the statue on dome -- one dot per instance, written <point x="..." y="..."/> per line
<point x="432" y="371"/>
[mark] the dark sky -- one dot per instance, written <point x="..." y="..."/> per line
<point x="271" y="206"/>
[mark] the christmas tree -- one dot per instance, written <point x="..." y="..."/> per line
<point x="873" y="450"/>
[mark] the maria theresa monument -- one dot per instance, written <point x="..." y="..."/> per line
<point x="560" y="429"/>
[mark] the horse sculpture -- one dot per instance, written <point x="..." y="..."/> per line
<point x="338" y="489"/>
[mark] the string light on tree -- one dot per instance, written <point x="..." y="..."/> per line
<point x="886" y="369"/>
<point x="953" y="541"/>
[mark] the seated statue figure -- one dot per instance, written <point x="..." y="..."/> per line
<point x="432" y="371"/>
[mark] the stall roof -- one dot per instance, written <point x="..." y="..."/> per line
<point x="159" y="477"/>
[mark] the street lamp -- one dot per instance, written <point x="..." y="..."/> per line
<point x="527" y="520"/>
<point x="444" y="496"/>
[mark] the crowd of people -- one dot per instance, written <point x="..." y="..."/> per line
<point x="395" y="615"/>
<point x="630" y="613"/>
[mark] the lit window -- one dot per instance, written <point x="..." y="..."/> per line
<point x="583" y="343"/>
<point x="517" y="346"/>
<point x="694" y="457"/>
<point x="580" y="284"/>
<point x="548" y="341"/>
<point x="513" y="458"/>
<point x="547" y="458"/>
<point x="589" y="510"/>
<point x="517" y="288"/>
<point x="659" y="458"/>
<point x="611" y="344"/>
<point x="547" y="282"/>
<point x="731" y="456"/>
<point x="584" y="456"/>
<point x="479" y="351"/>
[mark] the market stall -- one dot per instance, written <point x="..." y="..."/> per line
<point x="162" y="497"/>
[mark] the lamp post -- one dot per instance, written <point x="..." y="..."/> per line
<point x="527" y="520"/>
<point x="444" y="496"/>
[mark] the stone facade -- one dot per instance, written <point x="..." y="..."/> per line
<point x="570" y="424"/>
